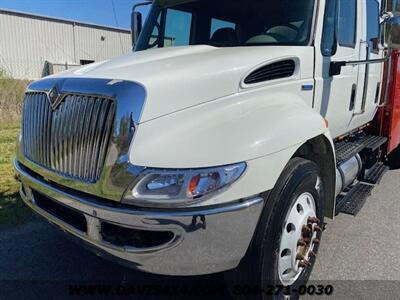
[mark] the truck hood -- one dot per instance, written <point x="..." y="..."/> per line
<point x="182" y="77"/>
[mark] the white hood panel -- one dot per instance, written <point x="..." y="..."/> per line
<point x="182" y="77"/>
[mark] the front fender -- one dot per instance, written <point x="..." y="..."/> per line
<point x="241" y="127"/>
<point x="264" y="127"/>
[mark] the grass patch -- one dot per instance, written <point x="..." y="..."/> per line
<point x="12" y="210"/>
<point x="11" y="97"/>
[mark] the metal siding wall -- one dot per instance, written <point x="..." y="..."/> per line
<point x="89" y="44"/>
<point x="27" y="42"/>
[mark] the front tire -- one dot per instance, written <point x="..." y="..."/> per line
<point x="283" y="249"/>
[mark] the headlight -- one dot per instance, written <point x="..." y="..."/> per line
<point x="178" y="188"/>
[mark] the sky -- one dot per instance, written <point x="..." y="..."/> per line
<point x="91" y="11"/>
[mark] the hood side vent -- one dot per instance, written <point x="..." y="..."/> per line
<point x="278" y="70"/>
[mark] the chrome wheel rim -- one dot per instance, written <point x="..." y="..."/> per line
<point x="298" y="239"/>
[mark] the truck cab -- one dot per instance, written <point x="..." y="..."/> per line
<point x="221" y="142"/>
<point x="304" y="37"/>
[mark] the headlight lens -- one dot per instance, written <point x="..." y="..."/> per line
<point x="175" y="188"/>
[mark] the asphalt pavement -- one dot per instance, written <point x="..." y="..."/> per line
<point x="359" y="256"/>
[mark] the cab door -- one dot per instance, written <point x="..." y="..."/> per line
<point x="370" y="73"/>
<point x="341" y="40"/>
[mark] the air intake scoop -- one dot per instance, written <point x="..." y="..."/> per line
<point x="273" y="71"/>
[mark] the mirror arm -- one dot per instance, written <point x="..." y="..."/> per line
<point x="386" y="16"/>
<point x="366" y="62"/>
<point x="137" y="5"/>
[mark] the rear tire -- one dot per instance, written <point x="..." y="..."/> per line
<point x="261" y="272"/>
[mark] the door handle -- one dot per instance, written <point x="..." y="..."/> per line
<point x="353" y="97"/>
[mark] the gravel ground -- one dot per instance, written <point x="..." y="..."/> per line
<point x="359" y="256"/>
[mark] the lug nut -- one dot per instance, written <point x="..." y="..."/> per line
<point x="301" y="243"/>
<point x="317" y="228"/>
<point x="299" y="257"/>
<point x="307" y="240"/>
<point x="306" y="229"/>
<point x="312" y="254"/>
<point x="316" y="241"/>
<point x="304" y="264"/>
<point x="313" y="220"/>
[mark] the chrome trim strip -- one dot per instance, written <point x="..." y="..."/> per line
<point x="117" y="173"/>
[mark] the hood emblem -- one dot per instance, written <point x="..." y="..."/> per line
<point x="55" y="97"/>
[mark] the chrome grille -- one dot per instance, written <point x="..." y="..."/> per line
<point x="72" y="139"/>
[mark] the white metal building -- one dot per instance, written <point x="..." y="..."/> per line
<point x="32" y="46"/>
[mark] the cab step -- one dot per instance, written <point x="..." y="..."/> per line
<point x="375" y="174"/>
<point x="372" y="142"/>
<point x="346" y="150"/>
<point x="353" y="201"/>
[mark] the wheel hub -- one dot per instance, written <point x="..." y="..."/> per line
<point x="298" y="240"/>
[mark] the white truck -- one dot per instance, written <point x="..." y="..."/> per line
<point x="222" y="142"/>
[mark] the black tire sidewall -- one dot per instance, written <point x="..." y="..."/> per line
<point x="302" y="181"/>
<point x="260" y="266"/>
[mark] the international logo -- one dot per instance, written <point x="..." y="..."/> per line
<point x="55" y="97"/>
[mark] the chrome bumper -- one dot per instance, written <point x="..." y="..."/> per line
<point x="204" y="241"/>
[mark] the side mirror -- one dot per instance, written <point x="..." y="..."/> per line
<point x="136" y="26"/>
<point x="390" y="33"/>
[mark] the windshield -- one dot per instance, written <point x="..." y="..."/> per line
<point x="228" y="23"/>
